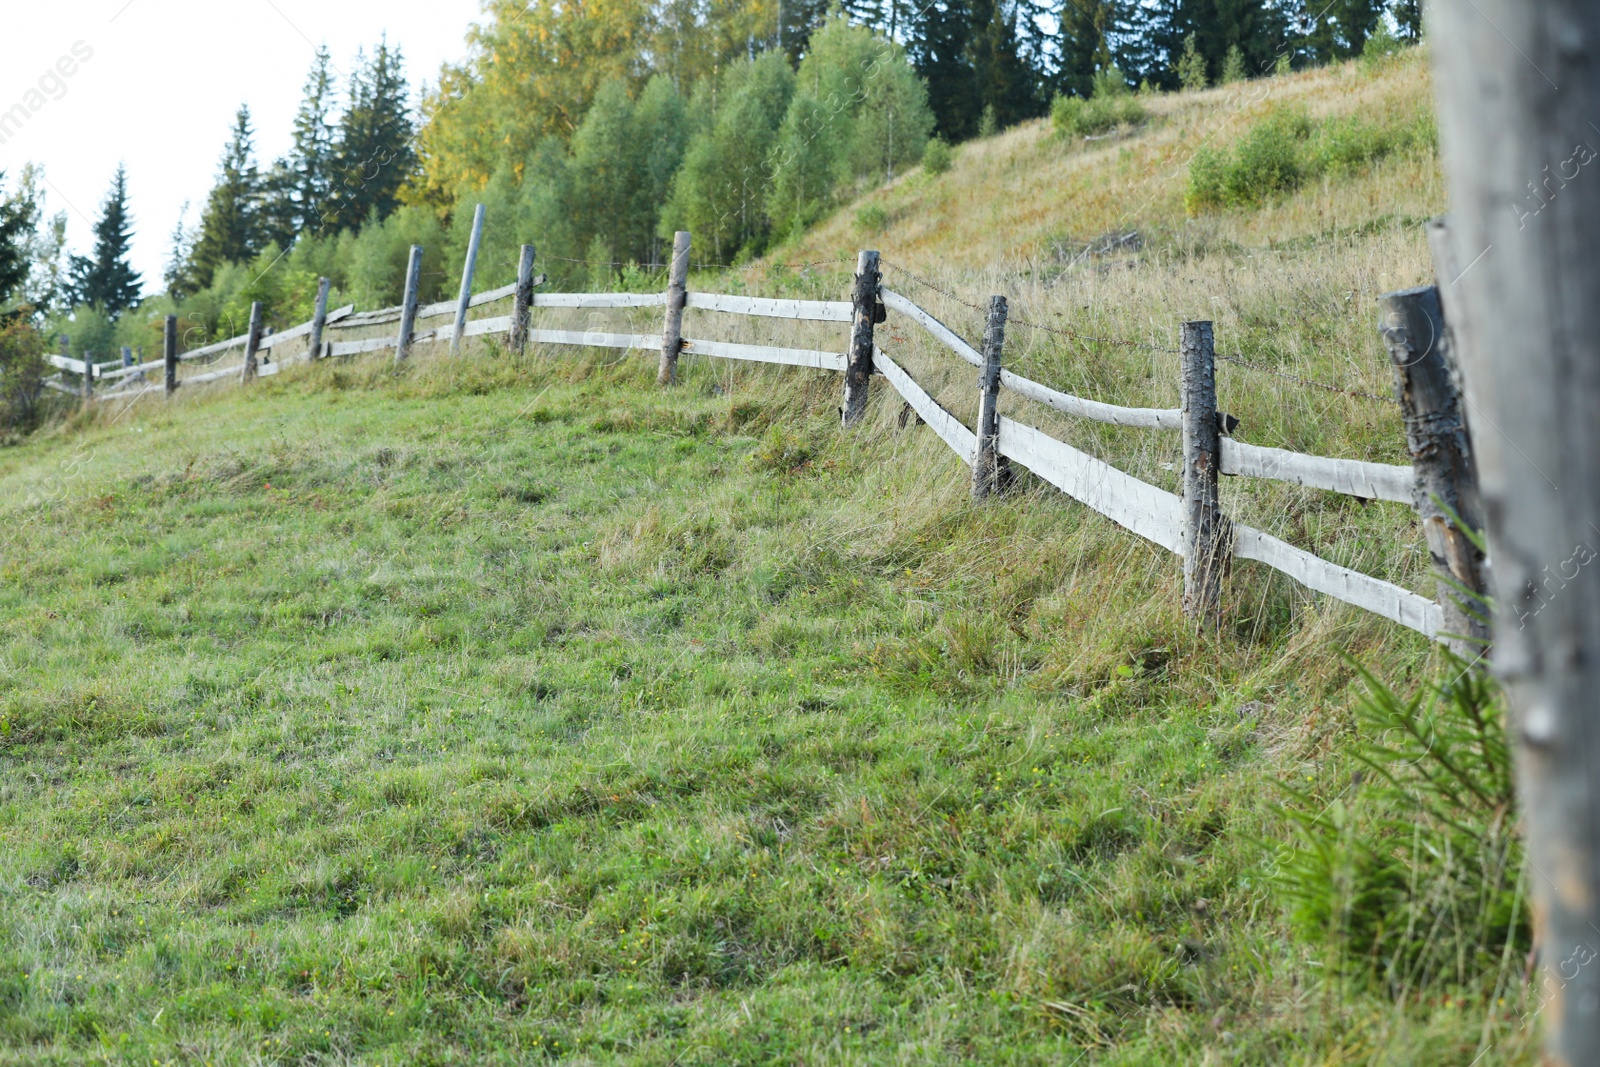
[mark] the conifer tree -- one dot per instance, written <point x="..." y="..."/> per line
<point x="106" y="279"/>
<point x="19" y="214"/>
<point x="230" y="225"/>
<point x="299" y="187"/>
<point x="376" y="152"/>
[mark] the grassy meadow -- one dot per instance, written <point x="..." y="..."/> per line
<point x="512" y="711"/>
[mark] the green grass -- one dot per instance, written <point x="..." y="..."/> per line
<point x="497" y="715"/>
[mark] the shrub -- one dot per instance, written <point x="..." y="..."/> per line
<point x="1191" y="66"/>
<point x="22" y="373"/>
<point x="937" y="157"/>
<point x="1417" y="878"/>
<point x="872" y="218"/>
<point x="1113" y="104"/>
<point x="989" y="122"/>
<point x="1233" y="66"/>
<point x="1266" y="162"/>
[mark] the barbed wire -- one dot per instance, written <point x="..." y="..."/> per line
<point x="1019" y="321"/>
<point x="1240" y="361"/>
<point x="1235" y="359"/>
<point x="658" y="268"/>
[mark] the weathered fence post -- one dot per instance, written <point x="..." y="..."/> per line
<point x="858" y="371"/>
<point x="1515" y="85"/>
<point x="465" y="299"/>
<point x="1205" y="530"/>
<point x="522" y="303"/>
<point x="252" y="343"/>
<point x="169" y="352"/>
<point x="990" y="471"/>
<point x="408" y="306"/>
<point x="88" y="375"/>
<point x="1447" y="497"/>
<point x="677" y="297"/>
<point x="319" y="320"/>
<point x="127" y="356"/>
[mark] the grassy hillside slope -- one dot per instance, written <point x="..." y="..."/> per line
<point x="500" y="712"/>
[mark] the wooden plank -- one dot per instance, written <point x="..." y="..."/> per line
<point x="804" y="310"/>
<point x="355" y="348"/>
<point x="1093" y="410"/>
<point x="949" y="428"/>
<point x="216" y="348"/>
<point x="381" y="317"/>
<point x="492" y="295"/>
<point x="895" y="302"/>
<point x="66" y="363"/>
<point x="305" y="327"/>
<point x="599" y="300"/>
<point x="594" y="339"/>
<point x="1373" y="594"/>
<point x="58" y="387"/>
<point x="1370" y="481"/>
<point x="479" y="327"/>
<point x="1152" y="513"/>
<point x="794" y="357"/>
<point x="265" y="370"/>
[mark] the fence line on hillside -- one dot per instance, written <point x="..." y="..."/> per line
<point x="1190" y="525"/>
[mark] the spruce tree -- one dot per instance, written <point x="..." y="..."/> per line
<point x="310" y="166"/>
<point x="19" y="214"/>
<point x="230" y="226"/>
<point x="105" y="279"/>
<point x="938" y="37"/>
<point x="376" y="151"/>
<point x="1084" y="36"/>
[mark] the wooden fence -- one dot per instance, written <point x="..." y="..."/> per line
<point x="1190" y="525"/>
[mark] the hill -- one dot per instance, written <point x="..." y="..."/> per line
<point x="496" y="711"/>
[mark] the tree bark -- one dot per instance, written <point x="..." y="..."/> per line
<point x="1517" y="82"/>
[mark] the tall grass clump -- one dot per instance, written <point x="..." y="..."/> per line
<point x="1415" y="880"/>
<point x="1111" y="104"/>
<point x="1286" y="148"/>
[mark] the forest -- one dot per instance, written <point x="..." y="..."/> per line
<point x="597" y="129"/>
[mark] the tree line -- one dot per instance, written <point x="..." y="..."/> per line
<point x="599" y="129"/>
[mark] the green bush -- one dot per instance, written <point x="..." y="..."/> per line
<point x="937" y="157"/>
<point x="1266" y="162"/>
<point x="1417" y="878"/>
<point x="22" y="373"/>
<point x="871" y="218"/>
<point x="1113" y="104"/>
<point x="1286" y="148"/>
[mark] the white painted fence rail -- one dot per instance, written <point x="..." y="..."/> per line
<point x="1370" y="481"/>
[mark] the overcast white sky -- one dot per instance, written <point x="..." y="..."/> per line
<point x="164" y="81"/>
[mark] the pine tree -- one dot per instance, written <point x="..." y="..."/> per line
<point x="1083" y="43"/>
<point x="105" y="279"/>
<point x="1258" y="28"/>
<point x="311" y="159"/>
<point x="1003" y="80"/>
<point x="230" y="225"/>
<point x="376" y="152"/>
<point x="938" y="38"/>
<point x="19" y="214"/>
<point x="1339" y="29"/>
<point x="174" y="272"/>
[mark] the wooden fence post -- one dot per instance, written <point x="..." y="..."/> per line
<point x="1515" y="86"/>
<point x="1447" y="497"/>
<point x="677" y="297"/>
<point x="127" y="355"/>
<point x="990" y="472"/>
<point x="169" y="352"/>
<point x="858" y="371"/>
<point x="1205" y="531"/>
<point x="319" y="320"/>
<point x="252" y="343"/>
<point x="465" y="299"/>
<point x="522" y="303"/>
<point x="88" y="376"/>
<point x="408" y="306"/>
